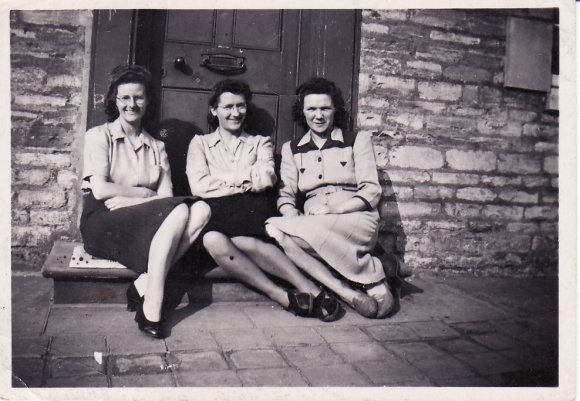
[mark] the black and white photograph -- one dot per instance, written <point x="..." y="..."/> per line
<point x="290" y="202"/>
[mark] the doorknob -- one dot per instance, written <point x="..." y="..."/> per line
<point x="180" y="63"/>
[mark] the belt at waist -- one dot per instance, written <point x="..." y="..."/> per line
<point x="330" y="189"/>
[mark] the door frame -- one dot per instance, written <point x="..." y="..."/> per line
<point x="117" y="40"/>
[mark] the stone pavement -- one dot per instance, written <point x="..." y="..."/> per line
<point x="450" y="331"/>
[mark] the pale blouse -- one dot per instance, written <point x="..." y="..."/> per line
<point x="216" y="169"/>
<point x="109" y="153"/>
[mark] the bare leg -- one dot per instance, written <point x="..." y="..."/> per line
<point x="229" y="257"/>
<point x="319" y="271"/>
<point x="161" y="254"/>
<point x="273" y="261"/>
<point x="199" y="214"/>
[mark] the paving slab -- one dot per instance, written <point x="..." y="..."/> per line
<point x="473" y="381"/>
<point x="27" y="372"/>
<point x="274" y="377"/>
<point x="360" y="351"/>
<point x="134" y="343"/>
<point x="392" y="332"/>
<point x="78" y="345"/>
<point x="496" y="341"/>
<point x="218" y="316"/>
<point x="341" y="334"/>
<point x="313" y="355"/>
<point x="257" y="359"/>
<point x="268" y="314"/>
<point x="335" y="375"/>
<point x="197" y="361"/>
<point x="201" y="340"/>
<point x="431" y="329"/>
<point x="253" y="338"/>
<point x="533" y="358"/>
<point x="459" y="346"/>
<point x="159" y="380"/>
<point x="29" y="346"/>
<point x="283" y="336"/>
<point x="481" y="327"/>
<point x="389" y="371"/>
<point x="488" y="363"/>
<point x="31" y="299"/>
<point x="69" y="367"/>
<point x="225" y="378"/>
<point x="138" y="365"/>
<point x="443" y="367"/>
<point x="85" y="319"/>
<point x="78" y="381"/>
<point x="414" y="351"/>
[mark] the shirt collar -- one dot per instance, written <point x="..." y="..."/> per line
<point x="214" y="138"/>
<point x="335" y="136"/>
<point x="117" y="133"/>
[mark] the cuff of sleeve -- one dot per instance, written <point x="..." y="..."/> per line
<point x="286" y="203"/>
<point x="367" y="204"/>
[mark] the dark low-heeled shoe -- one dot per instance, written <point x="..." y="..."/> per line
<point x="153" y="329"/>
<point x="133" y="298"/>
<point x="381" y="292"/>
<point x="300" y="303"/>
<point x="326" y="307"/>
<point x="365" y="305"/>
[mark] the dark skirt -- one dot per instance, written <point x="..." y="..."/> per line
<point x="125" y="234"/>
<point x="242" y="215"/>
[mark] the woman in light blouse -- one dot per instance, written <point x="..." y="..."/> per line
<point x="233" y="172"/>
<point x="129" y="212"/>
<point x="330" y="236"/>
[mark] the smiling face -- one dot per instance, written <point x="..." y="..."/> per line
<point x="319" y="113"/>
<point x="230" y="111"/>
<point x="131" y="102"/>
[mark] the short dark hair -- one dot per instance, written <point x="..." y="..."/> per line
<point x="234" y="86"/>
<point x="320" y="86"/>
<point x="133" y="74"/>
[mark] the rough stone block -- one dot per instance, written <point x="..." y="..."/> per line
<point x="30" y="235"/>
<point x="407" y="209"/>
<point x="400" y="85"/>
<point x="36" y="159"/>
<point x="426" y="66"/>
<point x="51" y="199"/>
<point x="476" y="194"/>
<point x="514" y="196"/>
<point x="489" y="95"/>
<point x="467" y="74"/>
<point x="405" y="177"/>
<point x="368" y="119"/>
<point x="39" y="100"/>
<point x="433" y="192"/>
<point x="462" y="210"/>
<point x="28" y="79"/>
<point x="394" y="15"/>
<point x="455" y="38"/>
<point x="471" y="160"/>
<point x="439" y="91"/>
<point x="50" y="218"/>
<point x="455" y="179"/>
<point x="546" y="147"/>
<point x="518" y="163"/>
<point x="501" y="181"/>
<point x="522" y="228"/>
<point x="541" y="213"/>
<point x="407" y="119"/>
<point x="536" y="181"/>
<point x="551" y="164"/>
<point x="523" y="116"/>
<point x="447" y="19"/>
<point x="55" y="17"/>
<point x="416" y="157"/>
<point x="67" y="81"/>
<point x="503" y="212"/>
<point x="531" y="130"/>
<point x="32" y="176"/>
<point x="450" y="123"/>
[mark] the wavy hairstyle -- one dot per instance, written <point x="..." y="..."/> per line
<point x="134" y="74"/>
<point x="320" y="86"/>
<point x="234" y="86"/>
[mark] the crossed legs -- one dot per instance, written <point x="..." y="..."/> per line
<point x="247" y="258"/>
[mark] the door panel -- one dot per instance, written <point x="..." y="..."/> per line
<point x="278" y="49"/>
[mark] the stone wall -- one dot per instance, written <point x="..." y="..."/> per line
<point x="49" y="65"/>
<point x="469" y="167"/>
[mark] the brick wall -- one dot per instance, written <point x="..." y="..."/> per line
<point x="49" y="65"/>
<point x="469" y="168"/>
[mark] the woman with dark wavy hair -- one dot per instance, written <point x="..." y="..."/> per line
<point x="330" y="236"/>
<point x="233" y="172"/>
<point x="129" y="212"/>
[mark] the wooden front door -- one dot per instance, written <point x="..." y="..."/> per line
<point x="188" y="51"/>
